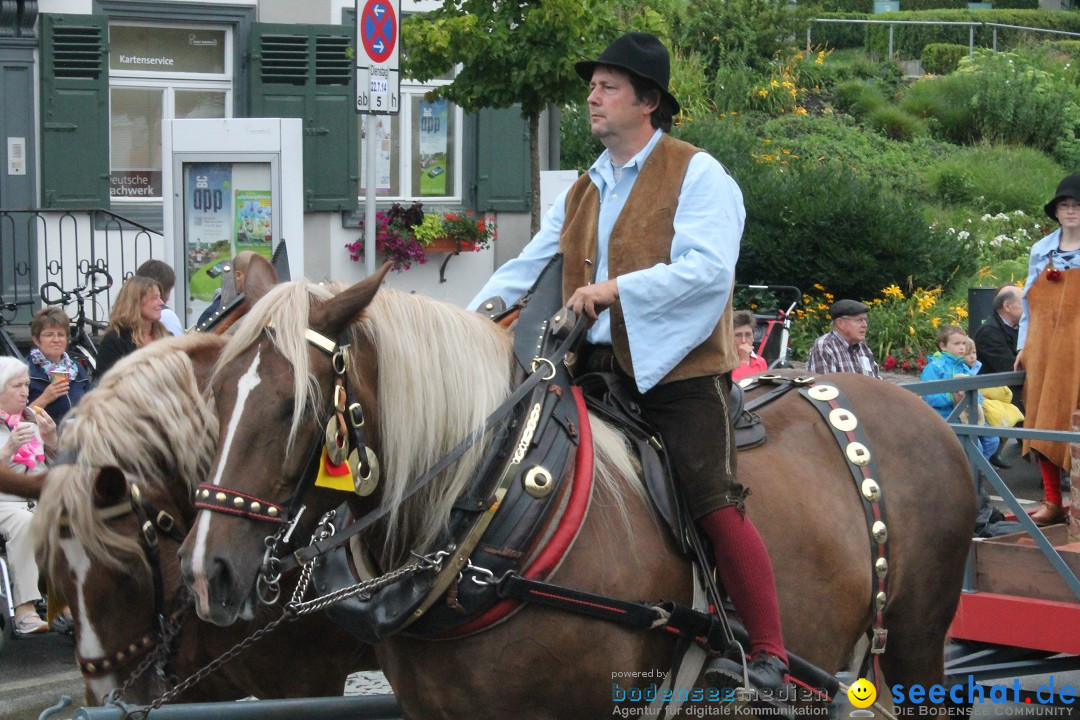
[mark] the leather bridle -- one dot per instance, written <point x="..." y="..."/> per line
<point x="152" y="522"/>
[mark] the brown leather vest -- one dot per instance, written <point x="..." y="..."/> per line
<point x="640" y="238"/>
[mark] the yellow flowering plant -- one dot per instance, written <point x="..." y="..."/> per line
<point x="902" y="329"/>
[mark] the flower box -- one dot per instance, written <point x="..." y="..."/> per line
<point x="449" y="245"/>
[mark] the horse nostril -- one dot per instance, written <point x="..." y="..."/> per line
<point x="219" y="580"/>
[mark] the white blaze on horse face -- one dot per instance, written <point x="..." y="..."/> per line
<point x="89" y="643"/>
<point x="248" y="382"/>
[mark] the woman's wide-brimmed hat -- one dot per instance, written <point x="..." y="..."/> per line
<point x="639" y="53"/>
<point x="1067" y="188"/>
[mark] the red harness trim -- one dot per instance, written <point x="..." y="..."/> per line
<point x="563" y="537"/>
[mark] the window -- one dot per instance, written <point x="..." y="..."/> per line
<point x="159" y="72"/>
<point x="418" y="150"/>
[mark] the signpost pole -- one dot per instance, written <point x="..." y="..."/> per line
<point x="378" y="37"/>
<point x="370" y="230"/>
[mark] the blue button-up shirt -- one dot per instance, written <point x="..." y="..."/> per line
<point x="1037" y="262"/>
<point x="669" y="308"/>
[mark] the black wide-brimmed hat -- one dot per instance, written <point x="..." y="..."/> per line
<point x="843" y="308"/>
<point x="639" y="53"/>
<point x="1067" y="188"/>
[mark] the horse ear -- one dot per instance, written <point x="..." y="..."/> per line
<point x="110" y="487"/>
<point x="259" y="278"/>
<point x="341" y="311"/>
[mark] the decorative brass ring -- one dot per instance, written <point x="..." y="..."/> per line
<point x="537" y="361"/>
<point x="341" y="360"/>
<point x="538" y="481"/>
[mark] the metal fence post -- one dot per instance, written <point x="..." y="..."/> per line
<point x="891" y="26"/>
<point x="995" y="39"/>
<point x="971" y="40"/>
<point x="808" y="26"/>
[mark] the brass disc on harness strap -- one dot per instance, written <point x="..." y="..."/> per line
<point x="879" y="600"/>
<point x="337" y="447"/>
<point x="364" y="485"/>
<point x="871" y="490"/>
<point x="857" y="454"/>
<point x="881" y="567"/>
<point x="843" y="419"/>
<point x="538" y="481"/>
<point x="823" y="393"/>
<point x="880" y="533"/>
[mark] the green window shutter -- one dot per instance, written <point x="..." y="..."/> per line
<point x="306" y="72"/>
<point x="502" y="160"/>
<point x="74" y="111"/>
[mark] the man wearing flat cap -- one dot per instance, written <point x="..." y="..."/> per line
<point x="650" y="237"/>
<point x="844" y="348"/>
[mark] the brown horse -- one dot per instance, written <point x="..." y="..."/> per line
<point x="427" y="374"/>
<point x="149" y="430"/>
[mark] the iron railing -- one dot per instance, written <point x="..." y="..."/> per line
<point x="38" y="246"/>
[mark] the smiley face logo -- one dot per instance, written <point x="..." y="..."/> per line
<point x="862" y="693"/>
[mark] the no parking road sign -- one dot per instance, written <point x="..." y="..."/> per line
<point x="378" y="37"/>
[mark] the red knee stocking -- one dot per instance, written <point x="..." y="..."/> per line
<point x="744" y="567"/>
<point x="1051" y="477"/>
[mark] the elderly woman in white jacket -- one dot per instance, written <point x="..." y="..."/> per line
<point x="27" y="438"/>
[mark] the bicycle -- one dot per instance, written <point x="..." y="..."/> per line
<point x="8" y="347"/>
<point x="81" y="346"/>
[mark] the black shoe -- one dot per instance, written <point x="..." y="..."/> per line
<point x="768" y="679"/>
<point x="997" y="462"/>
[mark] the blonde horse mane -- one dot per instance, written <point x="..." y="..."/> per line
<point x="147" y="417"/>
<point x="442" y="371"/>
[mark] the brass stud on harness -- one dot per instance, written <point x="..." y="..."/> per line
<point x="255" y="507"/>
<point x="91" y="667"/>
<point x="879" y="600"/>
<point x="881" y="567"/>
<point x="843" y="419"/>
<point x="238" y="501"/>
<point x="880" y="533"/>
<point x="272" y="512"/>
<point x="824" y="393"/>
<point x="857" y="454"/>
<point x="204" y="493"/>
<point x="871" y="490"/>
<point x="220" y="497"/>
<point x="538" y="482"/>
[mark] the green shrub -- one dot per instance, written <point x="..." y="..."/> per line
<point x="838" y="139"/>
<point x="1014" y="102"/>
<point x="838" y="35"/>
<point x="1016" y="4"/>
<point x="914" y="5"/>
<point x="821" y="223"/>
<point x="942" y="58"/>
<point x="818" y="7"/>
<point x="895" y="124"/>
<point x="945" y="103"/>
<point x="858" y="97"/>
<point x="733" y="32"/>
<point x="1068" y="48"/>
<point x="994" y="179"/>
<point x="909" y="40"/>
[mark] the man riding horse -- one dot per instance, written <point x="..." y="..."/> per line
<point x="651" y="236"/>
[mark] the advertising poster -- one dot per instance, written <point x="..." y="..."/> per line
<point x="254" y="226"/>
<point x="384" y="136"/>
<point x="432" y="141"/>
<point x="208" y="212"/>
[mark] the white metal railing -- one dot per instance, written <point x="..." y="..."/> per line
<point x="972" y="24"/>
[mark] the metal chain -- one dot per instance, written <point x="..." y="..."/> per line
<point x="159" y="655"/>
<point x="293" y="610"/>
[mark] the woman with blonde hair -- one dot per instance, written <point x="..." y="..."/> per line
<point x="134" y="321"/>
